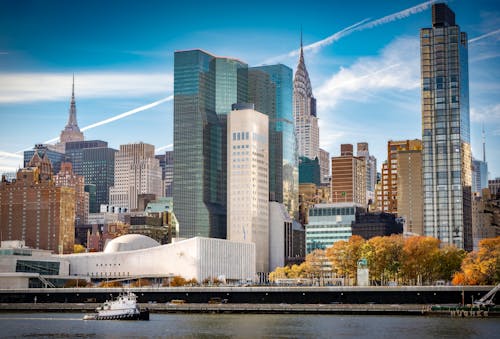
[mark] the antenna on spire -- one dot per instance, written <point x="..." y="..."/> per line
<point x="301" y="37"/>
<point x="73" y="91"/>
<point x="484" y="145"/>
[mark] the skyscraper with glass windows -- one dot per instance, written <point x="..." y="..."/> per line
<point x="446" y="152"/>
<point x="270" y="88"/>
<point x="205" y="87"/>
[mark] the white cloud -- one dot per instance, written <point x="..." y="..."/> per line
<point x="397" y="69"/>
<point x="26" y="87"/>
<point x="488" y="113"/>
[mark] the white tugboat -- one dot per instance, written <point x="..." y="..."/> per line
<point x="124" y="307"/>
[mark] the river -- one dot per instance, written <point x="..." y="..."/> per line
<point x="71" y="325"/>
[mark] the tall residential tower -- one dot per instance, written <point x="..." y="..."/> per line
<point x="446" y="151"/>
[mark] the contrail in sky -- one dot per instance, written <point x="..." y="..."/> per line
<point x="4" y="154"/>
<point x="162" y="148"/>
<point x="359" y="26"/>
<point x="484" y="36"/>
<point x="119" y="116"/>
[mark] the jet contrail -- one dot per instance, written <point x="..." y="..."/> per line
<point x="4" y="154"/>
<point x="120" y="116"/>
<point x="359" y="26"/>
<point x="484" y="36"/>
<point x="162" y="148"/>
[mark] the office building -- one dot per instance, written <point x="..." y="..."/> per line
<point x="446" y="152"/>
<point x="270" y="88"/>
<point x="348" y="177"/>
<point x="34" y="210"/>
<point x="324" y="166"/>
<point x="371" y="171"/>
<point x="98" y="168"/>
<point x="205" y="87"/>
<point x="379" y="224"/>
<point x="390" y="172"/>
<point x="248" y="180"/>
<point x="329" y="223"/>
<point x="309" y="171"/>
<point x="167" y="166"/>
<point x="409" y="190"/>
<point x="137" y="172"/>
<point x="494" y="186"/>
<point x="74" y="152"/>
<point x="479" y="175"/>
<point x="66" y="178"/>
<point x="304" y="111"/>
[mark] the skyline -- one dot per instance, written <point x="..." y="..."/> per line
<point x="363" y="63"/>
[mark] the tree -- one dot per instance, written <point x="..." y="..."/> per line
<point x="77" y="248"/>
<point x="420" y="257"/>
<point x="481" y="267"/>
<point x="177" y="281"/>
<point x="384" y="255"/>
<point x="344" y="255"/>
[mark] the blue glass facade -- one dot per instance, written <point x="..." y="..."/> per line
<point x="446" y="152"/>
<point x="329" y="223"/>
<point x="205" y="87"/>
<point x="283" y="161"/>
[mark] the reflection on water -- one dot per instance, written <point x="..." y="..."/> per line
<point x="70" y="325"/>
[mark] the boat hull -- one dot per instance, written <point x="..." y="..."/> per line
<point x="142" y="315"/>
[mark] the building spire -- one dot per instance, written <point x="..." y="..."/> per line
<point x="71" y="131"/>
<point x="301" y="45"/>
<point x="484" y="145"/>
<point x="72" y="108"/>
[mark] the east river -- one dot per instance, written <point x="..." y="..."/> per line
<point x="71" y="325"/>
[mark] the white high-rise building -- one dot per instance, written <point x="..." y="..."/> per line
<point x="304" y="112"/>
<point x="248" y="180"/>
<point x="137" y="171"/>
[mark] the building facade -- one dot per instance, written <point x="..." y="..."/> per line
<point x="446" y="152"/>
<point x="348" y="177"/>
<point x="248" y="181"/>
<point x="479" y="176"/>
<point x="379" y="224"/>
<point x="410" y="193"/>
<point x="270" y="88"/>
<point x="371" y="170"/>
<point x="205" y="87"/>
<point x="98" y="169"/>
<point x="304" y="112"/>
<point x="66" y="178"/>
<point x="55" y="157"/>
<point x="324" y="166"/>
<point x="34" y="210"/>
<point x="390" y="172"/>
<point x="137" y="171"/>
<point x="329" y="223"/>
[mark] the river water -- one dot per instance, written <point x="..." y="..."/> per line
<point x="71" y="325"/>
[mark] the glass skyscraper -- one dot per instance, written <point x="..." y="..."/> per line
<point x="446" y="153"/>
<point x="271" y="89"/>
<point x="205" y="87"/>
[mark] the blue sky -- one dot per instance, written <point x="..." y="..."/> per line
<point x="366" y="80"/>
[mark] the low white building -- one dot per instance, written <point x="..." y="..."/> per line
<point x="135" y="255"/>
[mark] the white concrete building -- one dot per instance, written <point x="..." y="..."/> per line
<point x="248" y="181"/>
<point x="135" y="255"/>
<point x="280" y="226"/>
<point x="137" y="171"/>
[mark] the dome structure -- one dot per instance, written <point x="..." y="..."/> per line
<point x="130" y="242"/>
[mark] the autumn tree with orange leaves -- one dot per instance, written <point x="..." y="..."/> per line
<point x="481" y="267"/>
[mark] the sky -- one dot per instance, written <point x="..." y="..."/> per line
<point x="362" y="58"/>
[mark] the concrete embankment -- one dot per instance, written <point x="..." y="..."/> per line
<point x="231" y="308"/>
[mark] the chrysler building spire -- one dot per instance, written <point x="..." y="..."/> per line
<point x="304" y="110"/>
